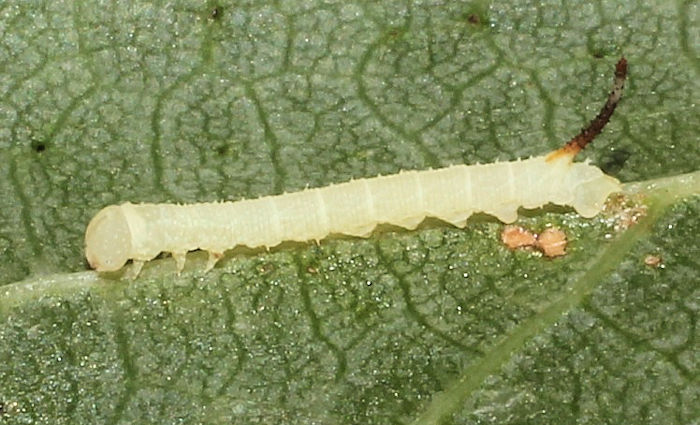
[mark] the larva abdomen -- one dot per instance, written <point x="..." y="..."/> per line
<point x="452" y="194"/>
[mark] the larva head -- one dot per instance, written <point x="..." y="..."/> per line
<point x="108" y="240"/>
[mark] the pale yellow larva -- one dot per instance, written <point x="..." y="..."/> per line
<point x="139" y="232"/>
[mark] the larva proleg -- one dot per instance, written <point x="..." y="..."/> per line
<point x="140" y="232"/>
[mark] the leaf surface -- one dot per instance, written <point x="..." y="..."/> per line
<point x="191" y="101"/>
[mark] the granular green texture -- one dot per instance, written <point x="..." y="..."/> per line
<point x="187" y="101"/>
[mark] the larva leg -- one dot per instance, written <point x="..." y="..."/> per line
<point x="179" y="260"/>
<point x="507" y="214"/>
<point x="457" y="219"/>
<point x="410" y="223"/>
<point x="213" y="258"/>
<point x="135" y="269"/>
<point x="361" y="231"/>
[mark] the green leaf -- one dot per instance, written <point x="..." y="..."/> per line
<point x="190" y="101"/>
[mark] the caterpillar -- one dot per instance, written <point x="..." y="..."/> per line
<point x="140" y="232"/>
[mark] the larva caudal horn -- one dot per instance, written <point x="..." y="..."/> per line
<point x="595" y="127"/>
<point x="139" y="232"/>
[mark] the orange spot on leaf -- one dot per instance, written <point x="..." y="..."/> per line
<point x="552" y="242"/>
<point x="654" y="261"/>
<point x="517" y="237"/>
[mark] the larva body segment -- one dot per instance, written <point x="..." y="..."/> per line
<point x="142" y="231"/>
